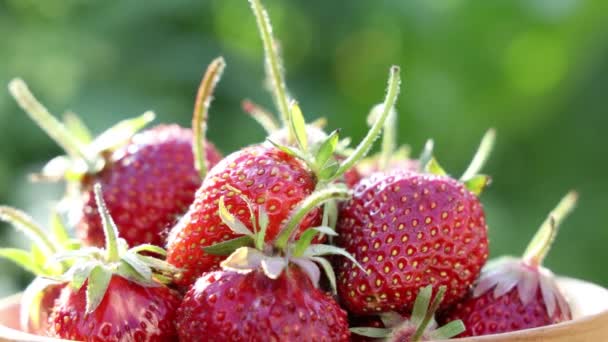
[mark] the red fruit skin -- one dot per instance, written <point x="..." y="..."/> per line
<point x="128" y="312"/>
<point x="486" y="315"/>
<point x="409" y="230"/>
<point x="147" y="185"/>
<point x="352" y="177"/>
<point x="229" y="306"/>
<point x="266" y="176"/>
<point x="49" y="295"/>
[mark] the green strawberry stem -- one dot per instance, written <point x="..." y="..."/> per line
<point x="317" y="198"/>
<point x="481" y="156"/>
<point x="274" y="66"/>
<point x="261" y="116"/>
<point x="201" y="112"/>
<point x="109" y="227"/>
<point x="23" y="222"/>
<point x="426" y="312"/>
<point x="53" y="127"/>
<point x="543" y="239"/>
<point x="389" y="140"/>
<point x="365" y="145"/>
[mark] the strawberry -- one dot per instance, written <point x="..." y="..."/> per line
<point x="39" y="296"/>
<point x="231" y="306"/>
<point x="514" y="294"/>
<point x="270" y="292"/>
<point x="410" y="230"/>
<point x="150" y="177"/>
<point x="87" y="307"/>
<point x="148" y="183"/>
<point x="266" y="176"/>
<point x="420" y="326"/>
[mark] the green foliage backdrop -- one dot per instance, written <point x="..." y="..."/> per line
<point x="536" y="70"/>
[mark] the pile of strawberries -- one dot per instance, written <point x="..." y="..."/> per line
<point x="298" y="238"/>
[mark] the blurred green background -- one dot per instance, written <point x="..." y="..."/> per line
<point x="537" y="70"/>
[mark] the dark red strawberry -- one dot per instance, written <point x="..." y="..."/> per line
<point x="265" y="176"/>
<point x="419" y="326"/>
<point x="115" y="294"/>
<point x="150" y="178"/>
<point x="515" y="294"/>
<point x="39" y="296"/>
<point x="410" y="230"/>
<point x="147" y="184"/>
<point x="230" y="306"/>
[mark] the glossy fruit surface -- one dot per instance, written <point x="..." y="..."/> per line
<point x="409" y="230"/>
<point x="148" y="184"/>
<point x="265" y="176"/>
<point x="228" y="306"/>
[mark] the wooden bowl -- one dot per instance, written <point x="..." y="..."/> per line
<point x="589" y="304"/>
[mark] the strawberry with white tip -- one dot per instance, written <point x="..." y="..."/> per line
<point x="518" y="293"/>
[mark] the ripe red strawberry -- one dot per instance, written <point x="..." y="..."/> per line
<point x="147" y="184"/>
<point x="150" y="178"/>
<point x="230" y="306"/>
<point x="418" y="326"/>
<point x="515" y="294"/>
<point x="266" y="176"/>
<point x="115" y="294"/>
<point x="410" y="230"/>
